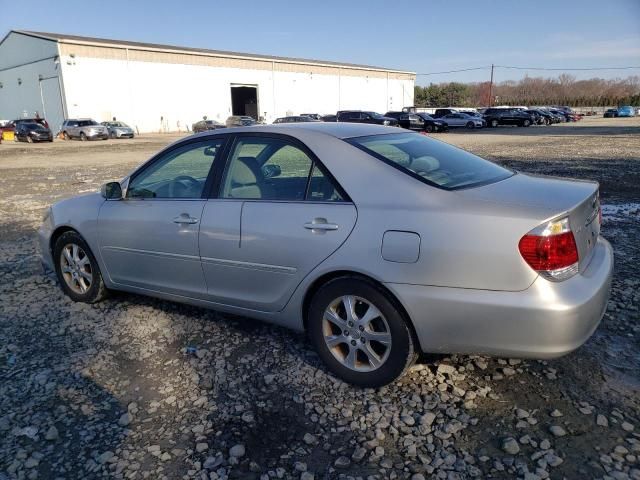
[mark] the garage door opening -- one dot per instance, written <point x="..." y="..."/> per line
<point x="244" y="100"/>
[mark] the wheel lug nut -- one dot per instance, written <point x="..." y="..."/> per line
<point x="351" y="324"/>
<point x="353" y="342"/>
<point x="346" y="333"/>
<point x="361" y="328"/>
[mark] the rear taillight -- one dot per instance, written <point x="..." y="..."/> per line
<point x="551" y="250"/>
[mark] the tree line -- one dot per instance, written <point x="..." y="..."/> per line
<point x="563" y="90"/>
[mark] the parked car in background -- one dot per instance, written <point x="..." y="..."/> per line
<point x="611" y="113"/>
<point x="433" y="124"/>
<point x="542" y="117"/>
<point x="84" y="129"/>
<point x="295" y="119"/>
<point x="507" y="116"/>
<point x="359" y="116"/>
<point x="32" y="132"/>
<point x="204" y="125"/>
<point x="329" y="118"/>
<point x="315" y="116"/>
<point x="441" y="112"/>
<point x="463" y="120"/>
<point x="240" y="121"/>
<point x="453" y="254"/>
<point x="410" y="121"/>
<point x="119" y="129"/>
<point x="626" y="111"/>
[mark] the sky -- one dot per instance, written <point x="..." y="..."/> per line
<point x="424" y="37"/>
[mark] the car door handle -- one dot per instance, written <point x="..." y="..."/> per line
<point x="320" y="224"/>
<point x="185" y="218"/>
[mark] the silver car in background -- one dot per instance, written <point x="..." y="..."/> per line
<point x="119" y="129"/>
<point x="378" y="243"/>
<point x="460" y="119"/>
<point x="83" y="129"/>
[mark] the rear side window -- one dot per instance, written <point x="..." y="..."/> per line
<point x="433" y="162"/>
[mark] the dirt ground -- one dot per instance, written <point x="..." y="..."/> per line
<point x="135" y="387"/>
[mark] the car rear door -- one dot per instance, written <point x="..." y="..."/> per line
<point x="149" y="239"/>
<point x="278" y="215"/>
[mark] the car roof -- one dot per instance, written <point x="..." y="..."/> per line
<point x="332" y="129"/>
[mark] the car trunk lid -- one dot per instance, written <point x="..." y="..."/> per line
<point x="549" y="198"/>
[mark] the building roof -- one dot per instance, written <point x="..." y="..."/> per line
<point x="105" y="42"/>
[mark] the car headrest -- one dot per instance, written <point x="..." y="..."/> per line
<point x="245" y="171"/>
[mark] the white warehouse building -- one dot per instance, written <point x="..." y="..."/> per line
<point x="166" y="88"/>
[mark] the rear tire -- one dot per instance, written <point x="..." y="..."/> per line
<point x="470" y="125"/>
<point x="29" y="139"/>
<point x="428" y="128"/>
<point x="369" y="348"/>
<point x="66" y="136"/>
<point x="526" y="123"/>
<point x="493" y="123"/>
<point x="77" y="269"/>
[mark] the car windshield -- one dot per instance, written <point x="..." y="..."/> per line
<point x="431" y="161"/>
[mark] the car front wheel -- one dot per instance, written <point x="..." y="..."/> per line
<point x="493" y="123"/>
<point x="470" y="125"/>
<point x="359" y="333"/>
<point x="77" y="269"/>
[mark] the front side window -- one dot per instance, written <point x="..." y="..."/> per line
<point x="267" y="169"/>
<point x="181" y="173"/>
<point x="434" y="162"/>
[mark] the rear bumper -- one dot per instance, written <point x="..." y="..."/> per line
<point x="544" y="321"/>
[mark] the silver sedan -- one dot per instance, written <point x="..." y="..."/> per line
<point x="378" y="243"/>
<point x="463" y="120"/>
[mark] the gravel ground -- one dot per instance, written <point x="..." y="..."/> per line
<point x="141" y="388"/>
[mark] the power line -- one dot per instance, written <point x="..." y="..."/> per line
<point x="513" y="67"/>
<point x="567" y="69"/>
<point x="455" y="71"/>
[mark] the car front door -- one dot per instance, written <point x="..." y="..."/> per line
<point x="278" y="215"/>
<point x="149" y="238"/>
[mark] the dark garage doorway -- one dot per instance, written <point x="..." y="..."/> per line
<point x="244" y="100"/>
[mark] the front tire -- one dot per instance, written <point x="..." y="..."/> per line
<point x="83" y="137"/>
<point x="470" y="125"/>
<point x="526" y="123"/>
<point x="428" y="128"/>
<point x="77" y="269"/>
<point x="493" y="123"/>
<point x="66" y="136"/>
<point x="359" y="332"/>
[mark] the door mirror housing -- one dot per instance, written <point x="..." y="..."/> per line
<point x="271" y="170"/>
<point x="111" y="191"/>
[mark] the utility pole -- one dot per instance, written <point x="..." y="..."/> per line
<point x="491" y="88"/>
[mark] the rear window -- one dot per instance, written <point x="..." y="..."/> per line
<point x="431" y="161"/>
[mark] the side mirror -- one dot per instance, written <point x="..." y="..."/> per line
<point x="111" y="191"/>
<point x="270" y="171"/>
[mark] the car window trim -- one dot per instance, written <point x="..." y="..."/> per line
<point x="215" y="191"/>
<point x="172" y="148"/>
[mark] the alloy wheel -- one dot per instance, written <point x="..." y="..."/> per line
<point x="75" y="266"/>
<point x="356" y="333"/>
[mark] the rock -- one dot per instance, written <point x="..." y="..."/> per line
<point x="445" y="369"/>
<point x="342" y="462"/>
<point x="124" y="420"/>
<point x="627" y="427"/>
<point x="602" y="420"/>
<point x="545" y="444"/>
<point x="105" y="457"/>
<point x="52" y="433"/>
<point x="237" y="451"/>
<point x="520" y="413"/>
<point x="202" y="447"/>
<point x="213" y="462"/>
<point x="510" y="445"/>
<point x="556" y="413"/>
<point x="310" y="439"/>
<point x="307" y="476"/>
<point x="427" y="418"/>
<point x="31" y="462"/>
<point x="165" y="457"/>
<point x="300" y="467"/>
<point x="358" y="454"/>
<point x="508" y="371"/>
<point x="557" y="431"/>
<point x="417" y="476"/>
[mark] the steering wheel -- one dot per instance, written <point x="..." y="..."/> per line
<point x="182" y="184"/>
